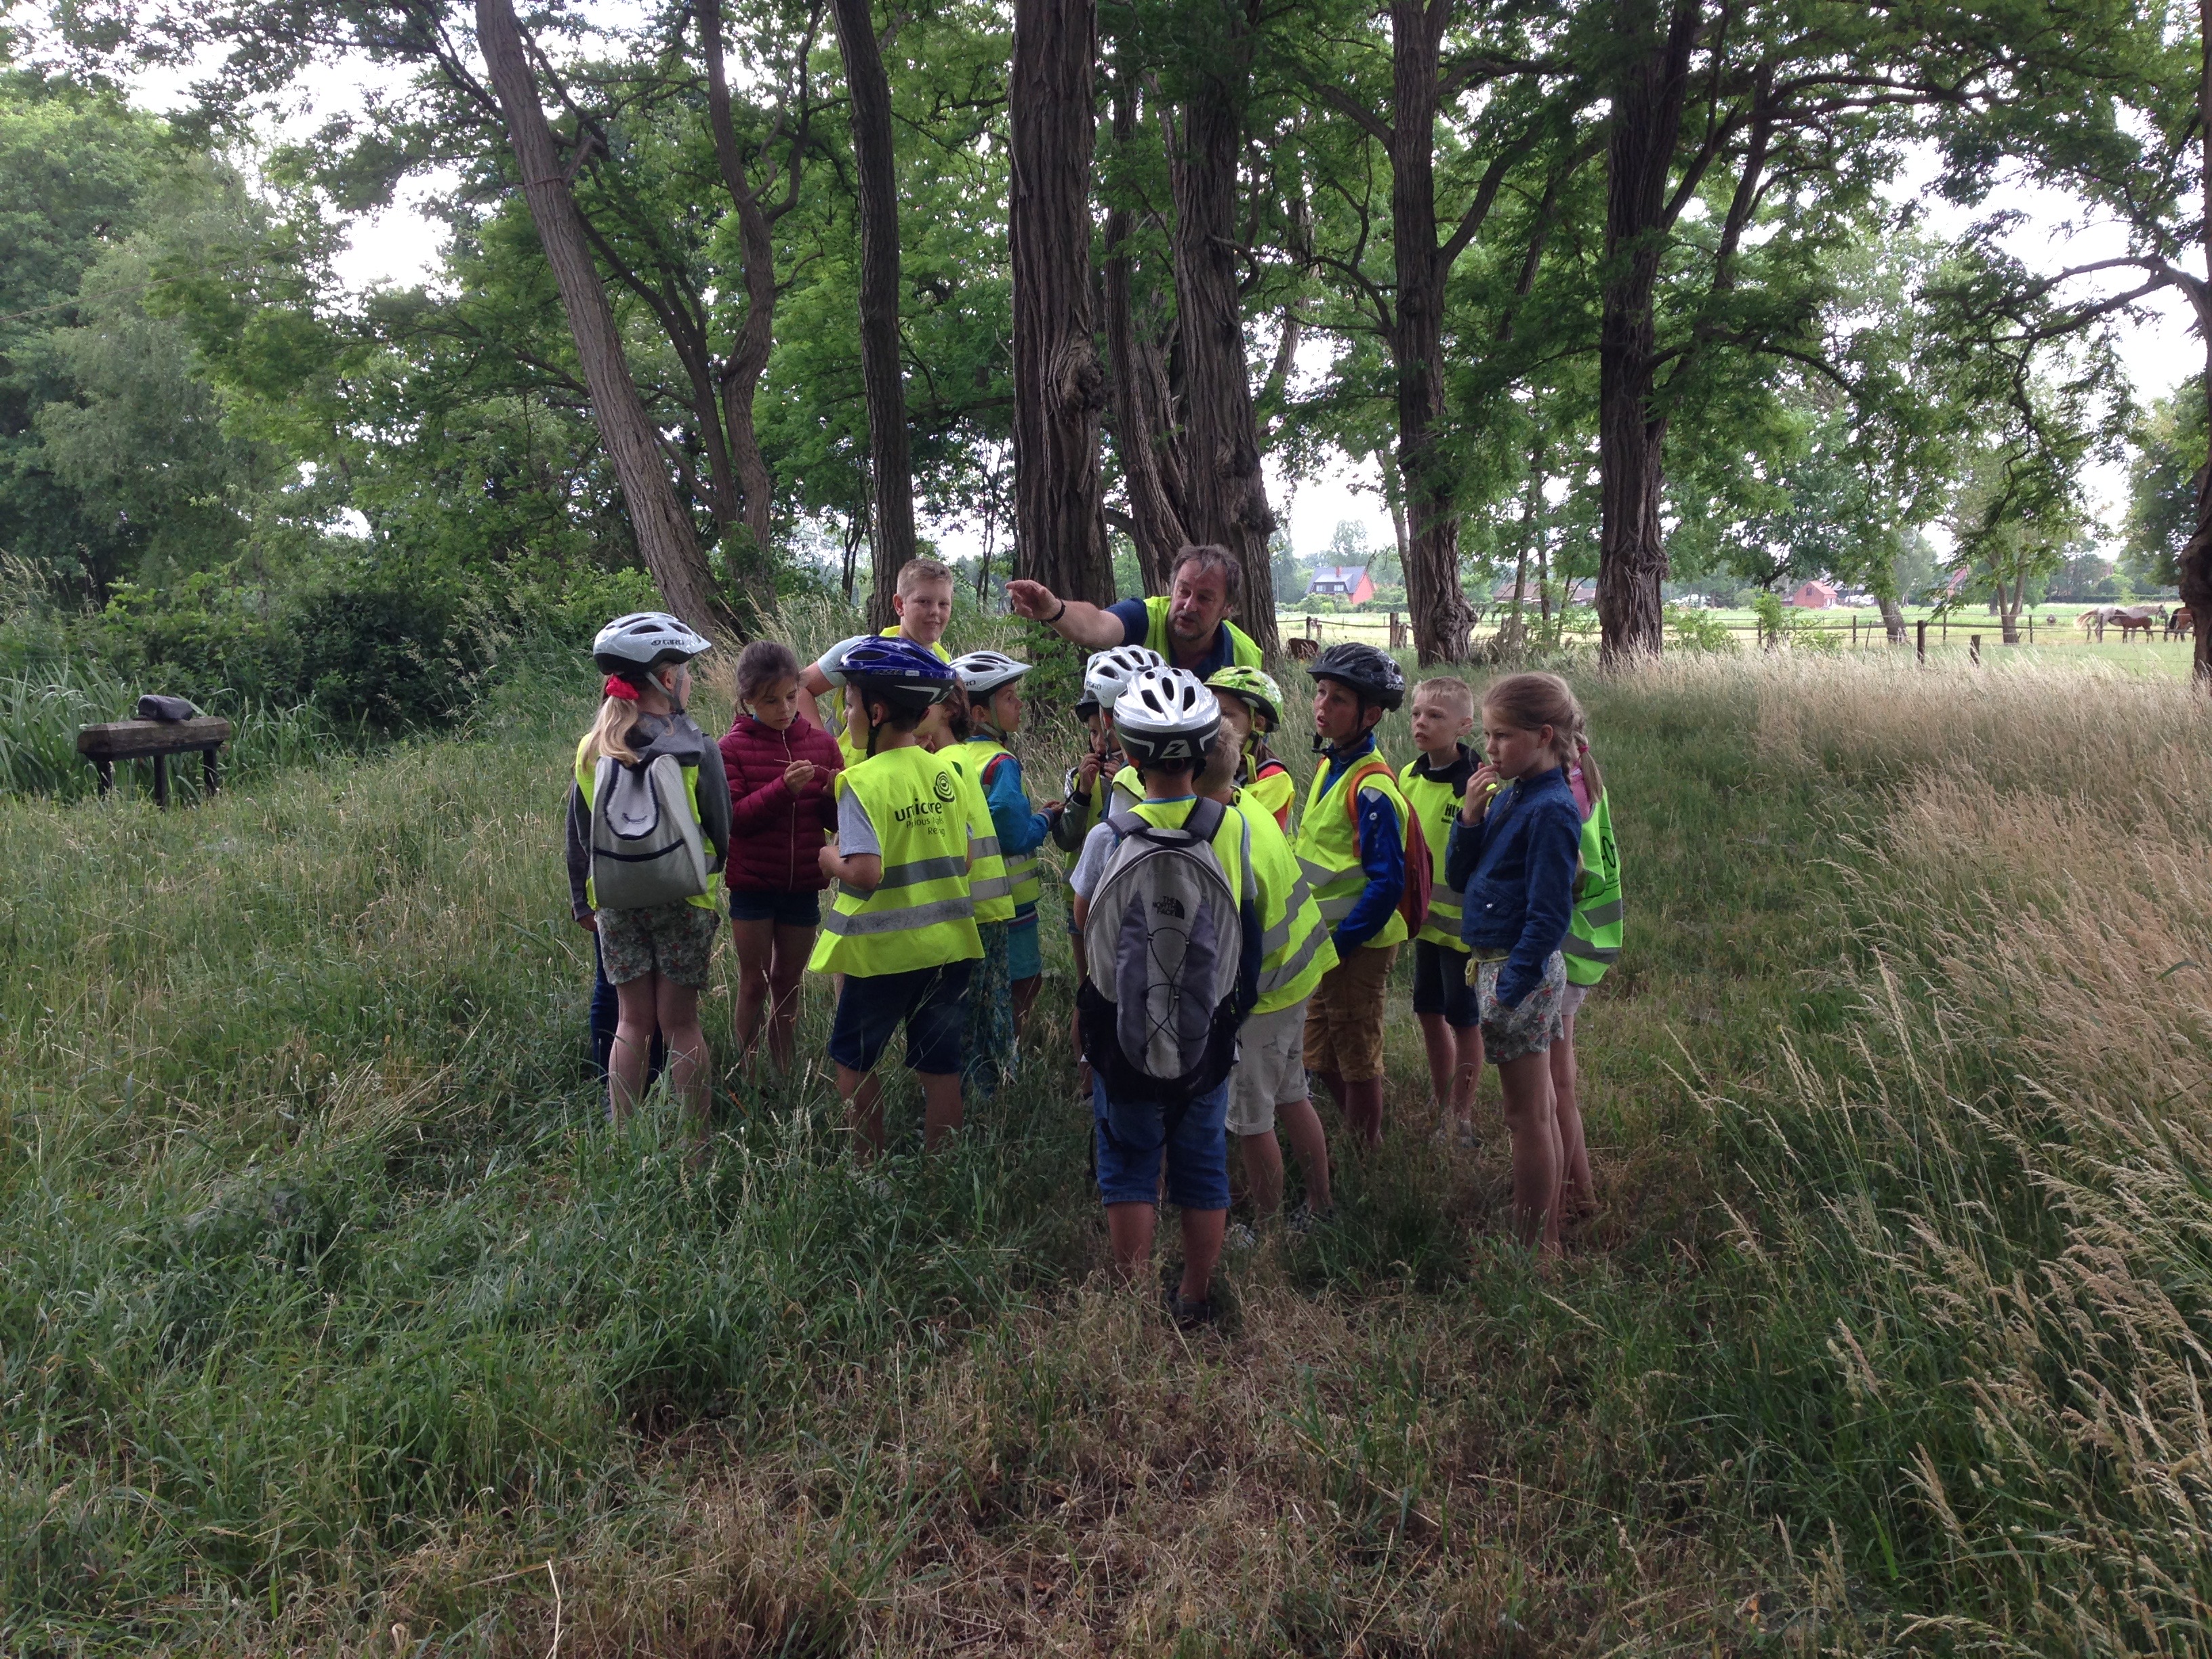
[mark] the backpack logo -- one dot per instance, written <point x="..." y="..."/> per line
<point x="1168" y="905"/>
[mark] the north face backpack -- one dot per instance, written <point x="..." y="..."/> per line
<point x="1173" y="960"/>
<point x="646" y="845"/>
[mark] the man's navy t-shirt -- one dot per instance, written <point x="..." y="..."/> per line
<point x="1137" y="624"/>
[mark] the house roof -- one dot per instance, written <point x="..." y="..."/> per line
<point x="1349" y="575"/>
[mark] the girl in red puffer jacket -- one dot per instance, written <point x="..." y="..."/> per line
<point x="779" y="769"/>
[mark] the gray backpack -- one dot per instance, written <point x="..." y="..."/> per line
<point x="1173" y="962"/>
<point x="646" y="846"/>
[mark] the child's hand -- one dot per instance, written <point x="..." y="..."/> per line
<point x="1086" y="774"/>
<point x="588" y="920"/>
<point x="1480" y="787"/>
<point x="798" y="774"/>
<point x="1053" y="808"/>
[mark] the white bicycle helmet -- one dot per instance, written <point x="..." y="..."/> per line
<point x="643" y="640"/>
<point x="1107" y="671"/>
<point x="1166" y="716"/>
<point x="982" y="672"/>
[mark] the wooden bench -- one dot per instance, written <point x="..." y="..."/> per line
<point x="104" y="745"/>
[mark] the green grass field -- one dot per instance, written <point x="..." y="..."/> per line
<point x="333" y="1321"/>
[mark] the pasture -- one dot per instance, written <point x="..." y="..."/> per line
<point x="333" y="1321"/>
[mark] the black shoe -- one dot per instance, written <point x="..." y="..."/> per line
<point x="1190" y="1315"/>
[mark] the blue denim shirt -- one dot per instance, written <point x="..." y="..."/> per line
<point x="1517" y="869"/>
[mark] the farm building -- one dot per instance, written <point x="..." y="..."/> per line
<point x="1813" y="596"/>
<point x="1348" y="582"/>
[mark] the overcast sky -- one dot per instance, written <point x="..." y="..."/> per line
<point x="400" y="246"/>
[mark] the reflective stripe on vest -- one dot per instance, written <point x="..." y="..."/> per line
<point x="1021" y="868"/>
<point x="1295" y="948"/>
<point x="1328" y="844"/>
<point x="1243" y="649"/>
<point x="988" y="882"/>
<point x="1593" y="940"/>
<point x="1436" y="804"/>
<point x="587" y="780"/>
<point x="923" y="913"/>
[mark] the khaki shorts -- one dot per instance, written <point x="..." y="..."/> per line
<point x="675" y="941"/>
<point x="1344" y="1016"/>
<point x="1271" y="1069"/>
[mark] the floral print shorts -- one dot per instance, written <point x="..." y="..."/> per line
<point x="675" y="941"/>
<point x="1530" y="1029"/>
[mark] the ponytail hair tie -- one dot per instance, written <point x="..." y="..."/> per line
<point x="619" y="686"/>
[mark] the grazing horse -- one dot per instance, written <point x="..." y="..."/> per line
<point x="2130" y="618"/>
<point x="2093" y="619"/>
<point x="2181" y="624"/>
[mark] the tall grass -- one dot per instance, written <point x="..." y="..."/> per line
<point x="334" y="1319"/>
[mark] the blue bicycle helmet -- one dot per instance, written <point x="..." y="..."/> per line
<point x="898" y="671"/>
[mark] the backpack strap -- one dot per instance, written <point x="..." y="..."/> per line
<point x="1205" y="820"/>
<point x="1366" y="769"/>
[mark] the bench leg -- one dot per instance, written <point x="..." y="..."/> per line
<point x="106" y="770"/>
<point x="161" y="781"/>
<point x="207" y="770"/>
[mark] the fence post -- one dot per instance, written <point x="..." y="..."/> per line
<point x="2030" y="628"/>
<point x="1974" y="649"/>
<point x="1920" y="649"/>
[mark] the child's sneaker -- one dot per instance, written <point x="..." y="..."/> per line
<point x="1306" y="1219"/>
<point x="1190" y="1315"/>
<point x="1240" y="1237"/>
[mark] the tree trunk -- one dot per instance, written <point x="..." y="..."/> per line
<point x="748" y="359"/>
<point x="664" y="534"/>
<point x="1228" y="500"/>
<point x="2195" y="561"/>
<point x="1646" y="122"/>
<point x="892" y="517"/>
<point x="1441" y="615"/>
<point x="1060" y="525"/>
<point x="1143" y="415"/>
<point x="1892" y="620"/>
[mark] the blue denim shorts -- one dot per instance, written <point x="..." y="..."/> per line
<point x="1024" y="956"/>
<point x="931" y="1001"/>
<point x="1131" y="1138"/>
<point x="785" y="909"/>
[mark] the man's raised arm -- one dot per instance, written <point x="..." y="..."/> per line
<point x="1074" y="620"/>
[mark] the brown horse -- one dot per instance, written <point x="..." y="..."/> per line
<point x="2181" y="624"/>
<point x="2132" y="619"/>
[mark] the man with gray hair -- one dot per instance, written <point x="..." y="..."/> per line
<point x="1189" y="625"/>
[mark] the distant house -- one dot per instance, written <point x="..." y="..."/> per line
<point x="1582" y="591"/>
<point x="1813" y="596"/>
<point x="1348" y="582"/>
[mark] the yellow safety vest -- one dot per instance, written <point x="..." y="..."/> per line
<point x="855" y="753"/>
<point x="1329" y="842"/>
<point x="1243" y="649"/>
<point x="988" y="884"/>
<point x="1593" y="941"/>
<point x="1021" y="868"/>
<point x="587" y="780"/>
<point x="1296" y="948"/>
<point x="1273" y="793"/>
<point x="1436" y="804"/>
<point x="923" y="913"/>
<point x="1126" y="790"/>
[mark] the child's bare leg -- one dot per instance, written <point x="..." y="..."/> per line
<point x="1363" y="1108"/>
<point x="1129" y="1233"/>
<point x="943" y="1109"/>
<point x="677" y="1008"/>
<point x="786" y="969"/>
<point x="1025" y="996"/>
<point x="1468" y="1076"/>
<point x="1202" y="1232"/>
<point x="1530" y="1115"/>
<point x="862" y="1092"/>
<point x="756" y="946"/>
<point x="1263" y="1172"/>
<point x="635" y="1003"/>
<point x="1309" y="1146"/>
<point x="1440" y="1042"/>
<point x="1576" y="1190"/>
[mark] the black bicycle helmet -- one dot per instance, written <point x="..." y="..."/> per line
<point x="1367" y="669"/>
